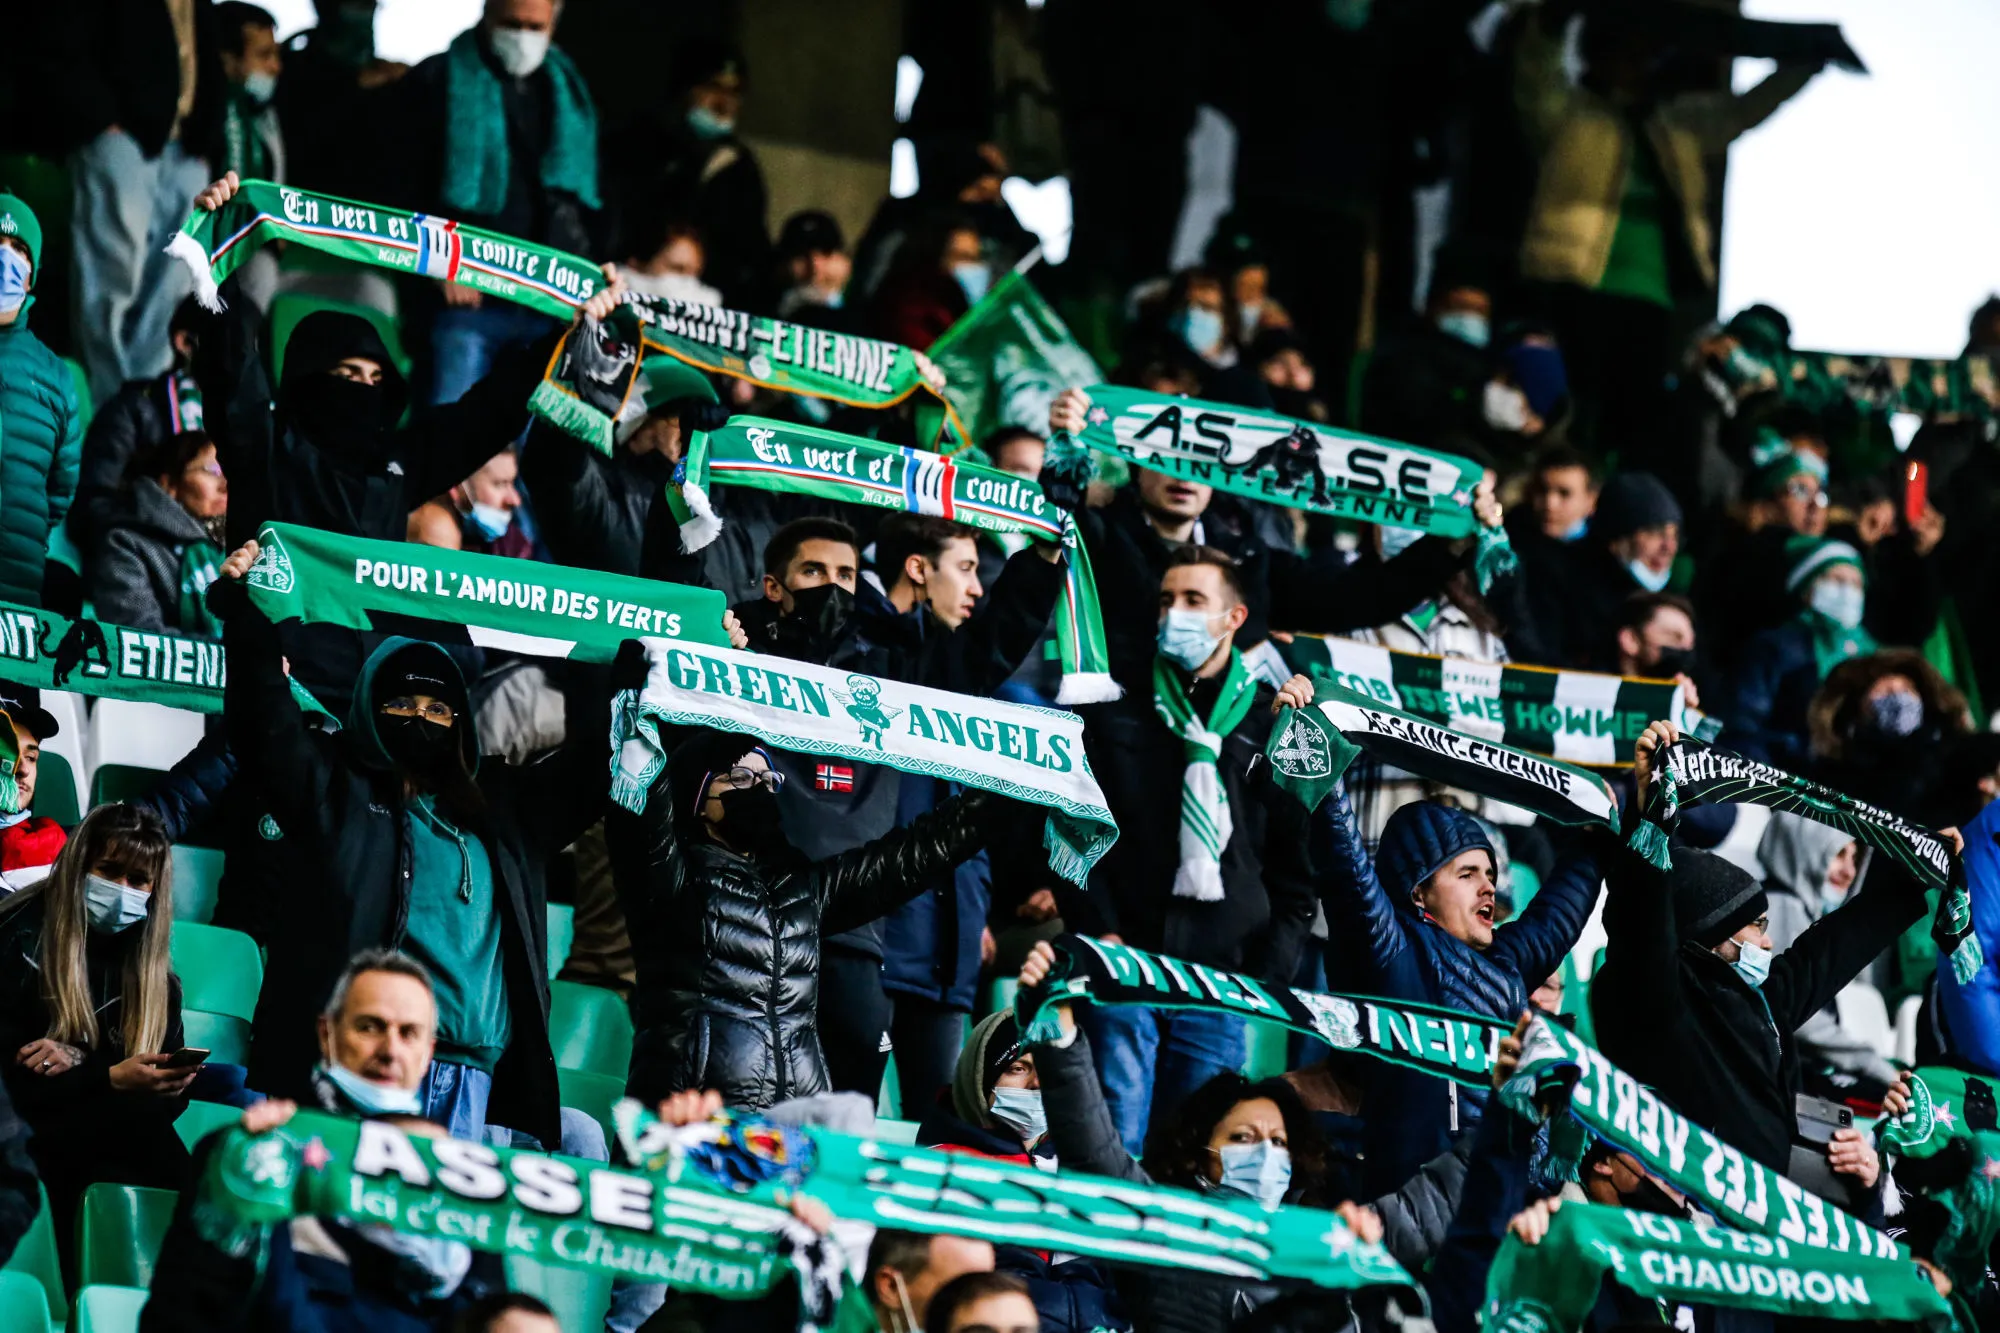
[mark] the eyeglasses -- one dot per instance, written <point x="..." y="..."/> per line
<point x="435" y="711"/>
<point x="742" y="779"/>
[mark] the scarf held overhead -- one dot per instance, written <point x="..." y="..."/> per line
<point x="1691" y="773"/>
<point x="1580" y="717"/>
<point x="521" y="606"/>
<point x="1311" y="748"/>
<point x="50" y="652"/>
<point x="1026" y="753"/>
<point x="1299" y="464"/>
<point x="772" y="455"/>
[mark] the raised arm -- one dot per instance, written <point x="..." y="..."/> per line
<point x="981" y="654"/>
<point x="876" y="878"/>
<point x="1362" y="924"/>
<point x="1080" y="1123"/>
<point x="267" y="732"/>
<point x="1549" y="927"/>
<point x="1642" y="941"/>
<point x="1805" y="978"/>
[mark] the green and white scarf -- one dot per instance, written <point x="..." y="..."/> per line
<point x="1205" y="821"/>
<point x="1949" y="1105"/>
<point x="1580" y="717"/>
<point x="1299" y="464"/>
<point x="768" y="455"/>
<point x="90" y="657"/>
<point x="705" y="1208"/>
<point x="1691" y="773"/>
<point x="522" y="606"/>
<point x="200" y="562"/>
<point x="1312" y="747"/>
<point x="1551" y="1286"/>
<point x="1030" y="754"/>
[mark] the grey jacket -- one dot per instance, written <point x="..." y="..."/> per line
<point x="135" y="570"/>
<point x="1796" y="853"/>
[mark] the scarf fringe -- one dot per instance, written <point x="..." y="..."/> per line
<point x="193" y="254"/>
<point x="703" y="525"/>
<point x="1088" y="687"/>
<point x="568" y="413"/>
<point x="1967" y="959"/>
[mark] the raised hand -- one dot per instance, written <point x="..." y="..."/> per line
<point x="217" y="193"/>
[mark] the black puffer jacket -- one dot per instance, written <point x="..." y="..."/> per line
<point x="728" y="947"/>
<point x="592" y="509"/>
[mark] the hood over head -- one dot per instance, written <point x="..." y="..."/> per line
<point x="1419" y="838"/>
<point x="409" y="666"/>
<point x="337" y="413"/>
<point x="1796" y="853"/>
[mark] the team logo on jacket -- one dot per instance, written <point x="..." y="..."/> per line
<point x="864" y="705"/>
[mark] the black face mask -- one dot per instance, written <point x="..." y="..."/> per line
<point x="1673" y="662"/>
<point x="750" y="820"/>
<point x="814" y="626"/>
<point x="339" y="415"/>
<point x="424" y="749"/>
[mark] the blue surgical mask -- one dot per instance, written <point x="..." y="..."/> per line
<point x="14" y="270"/>
<point x="1842" y="603"/>
<point x="491" y="520"/>
<point x="371" y="1098"/>
<point x="1469" y="327"/>
<point x="111" y="906"/>
<point x="1248" y="316"/>
<point x="1185" y="640"/>
<point x="1200" y="329"/>
<point x="1753" y="963"/>
<point x="1020" y="1109"/>
<point x="1652" y="580"/>
<point x="1395" y="541"/>
<point x="707" y="125"/>
<point x="430" y="1267"/>
<point x="1262" y="1170"/>
<point x="973" y="279"/>
<point x="259" y="85"/>
<point x="1576" y="530"/>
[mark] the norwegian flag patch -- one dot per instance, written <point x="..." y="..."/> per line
<point x="833" y="777"/>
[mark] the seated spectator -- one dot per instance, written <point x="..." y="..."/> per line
<point x="1810" y="870"/>
<point x="902" y="1275"/>
<point x="1781" y="668"/>
<point x="29" y="842"/>
<point x="983" y="1303"/>
<point x="134" y="423"/>
<point x="161" y="541"/>
<point x="667" y="264"/>
<point x="376" y="1038"/>
<point x="91" y="1010"/>
<point x="41" y="422"/>
<point x="487" y="505"/>
<point x="726" y="917"/>
<point x="815" y="269"/>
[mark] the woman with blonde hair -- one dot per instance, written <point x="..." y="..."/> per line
<point x="90" y="1012"/>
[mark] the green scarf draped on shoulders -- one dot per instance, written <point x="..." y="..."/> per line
<point x="476" y="159"/>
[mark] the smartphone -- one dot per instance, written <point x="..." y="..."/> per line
<point x="1916" y="492"/>
<point x="1818" y="1118"/>
<point x="188" y="1057"/>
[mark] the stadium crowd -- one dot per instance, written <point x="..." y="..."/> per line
<point x="385" y="877"/>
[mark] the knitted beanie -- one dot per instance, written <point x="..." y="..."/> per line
<point x="1419" y="838"/>
<point x="1713" y="898"/>
<point x="1806" y="558"/>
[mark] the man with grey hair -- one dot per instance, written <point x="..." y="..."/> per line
<point x="376" y="1036"/>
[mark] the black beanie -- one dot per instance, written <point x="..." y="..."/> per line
<point x="1633" y="502"/>
<point x="702" y="754"/>
<point x="1713" y="898"/>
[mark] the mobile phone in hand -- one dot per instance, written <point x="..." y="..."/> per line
<point x="188" y="1057"/>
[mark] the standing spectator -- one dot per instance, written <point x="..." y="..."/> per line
<point x="936" y="275"/>
<point x="666" y="260"/>
<point x="509" y="143"/>
<point x="90" y="1011"/>
<point x="1878" y="728"/>
<point x="41" y="422"/>
<point x="1242" y="902"/>
<point x="332" y="101"/>
<point x="134" y="423"/>
<point x="28" y="842"/>
<point x="1547" y="535"/>
<point x="1426" y="383"/>
<point x="159" y="550"/>
<point x="133" y="92"/>
<point x="252" y="141"/>
<point x="1630" y="547"/>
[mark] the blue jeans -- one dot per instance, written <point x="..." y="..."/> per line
<point x="455" y="1097"/>
<point x="1148" y="1060"/>
<point x="466" y="340"/>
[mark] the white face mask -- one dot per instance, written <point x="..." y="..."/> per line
<point x="519" y="51"/>
<point x="1842" y="603"/>
<point x="259" y="85"/>
<point x="1020" y="1109"/>
<point x="1467" y="326"/>
<point x="111" y="906"/>
<point x="1505" y="407"/>
<point x="1652" y="580"/>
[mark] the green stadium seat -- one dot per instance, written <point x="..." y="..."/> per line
<point x="1000" y="993"/>
<point x="221" y="970"/>
<point x="200" y="1119"/>
<point x="107" y="1309"/>
<point x="62" y="551"/>
<point x="895" y="1131"/>
<point x="288" y="308"/>
<point x="593" y="1094"/>
<point x="225" y="1036"/>
<point x="36" y="1257"/>
<point x="1268" y="1050"/>
<point x="118" y="1233"/>
<point x="590" y="1029"/>
<point x="889" y="1101"/>
<point x="122" y="782"/>
<point x="562" y="935"/>
<point x="197" y="880"/>
<point x="578" y="1298"/>
<point x="55" y="790"/>
<point x="24" y="1306"/>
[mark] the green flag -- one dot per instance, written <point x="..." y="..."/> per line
<point x="1007" y="358"/>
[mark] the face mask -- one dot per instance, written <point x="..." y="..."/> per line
<point x="1674" y="662"/>
<point x="1199" y="329"/>
<point x="909" y="1316"/>
<point x="371" y="1098"/>
<point x="1576" y="530"/>
<point x="1020" y="1109"/>
<point x="1842" y="603"/>
<point x="1395" y="541"/>
<point x="424" y="748"/>
<point x="1505" y="407"/>
<point x="973" y="279"/>
<point x="427" y="1266"/>
<point x="491" y="520"/>
<point x="259" y="85"/>
<point x="1247" y="316"/>
<point x="111" y="906"/>
<point x="1897" y="713"/>
<point x="1185" y="640"/>
<point x="1753" y="963"/>
<point x="1830" y="898"/>
<point x="816" y="622"/>
<point x="1471" y="329"/>
<point x="519" y="51"/>
<point x="1262" y="1170"/>
<point x="339" y="415"/>
<point x="707" y="125"/>
<point x="750" y="819"/>
<point x="1646" y="577"/>
<point x="14" y="271"/>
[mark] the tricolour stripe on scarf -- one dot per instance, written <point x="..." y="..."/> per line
<point x="927" y="480"/>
